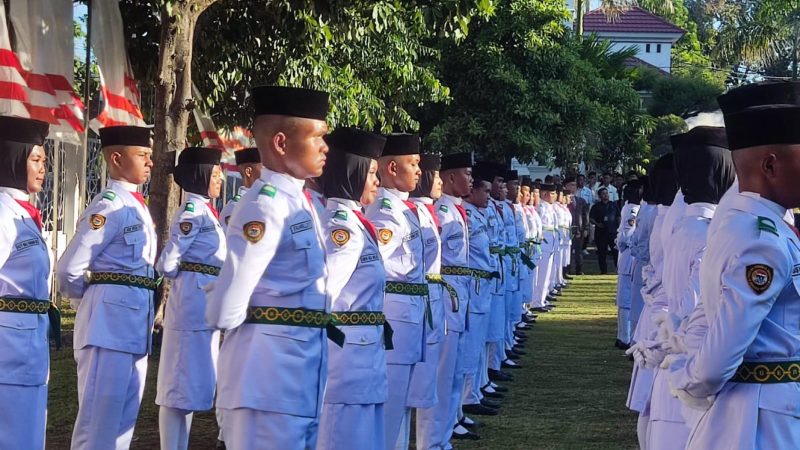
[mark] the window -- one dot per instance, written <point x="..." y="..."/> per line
<point x="658" y="48"/>
<point x="647" y="48"/>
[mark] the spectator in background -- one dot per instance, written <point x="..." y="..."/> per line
<point x="631" y="175"/>
<point x="613" y="193"/>
<point x="604" y="215"/>
<point x="583" y="191"/>
<point x="579" y="208"/>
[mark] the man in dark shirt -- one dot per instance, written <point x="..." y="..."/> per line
<point x="580" y="223"/>
<point x="604" y="215"/>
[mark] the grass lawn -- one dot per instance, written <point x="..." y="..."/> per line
<point x="570" y="394"/>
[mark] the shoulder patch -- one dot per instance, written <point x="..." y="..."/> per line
<point x="340" y="237"/>
<point x="759" y="277"/>
<point x="340" y="214"/>
<point x="268" y="190"/>
<point x="186" y="227"/>
<point x="768" y="225"/>
<point x="96" y="221"/>
<point x="386" y="203"/>
<point x="109" y="195"/>
<point x="254" y="231"/>
<point x="443" y="208"/>
<point x="385" y="235"/>
<point x="189" y="207"/>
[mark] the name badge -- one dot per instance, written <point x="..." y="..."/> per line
<point x="455" y="236"/>
<point x="414" y="234"/>
<point x="208" y="228"/>
<point x="369" y="258"/>
<point x="132" y="228"/>
<point x="796" y="270"/>
<point x="24" y="245"/>
<point x="302" y="226"/>
<point x="430" y="241"/>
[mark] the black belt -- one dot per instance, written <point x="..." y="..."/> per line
<point x="365" y="318"/>
<point x="206" y="269"/>
<point x="26" y="305"/>
<point x="123" y="279"/>
<point x="416" y="289"/>
<point x="296" y="317"/>
<point x="767" y="372"/>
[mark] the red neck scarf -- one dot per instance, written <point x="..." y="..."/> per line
<point x="34" y="212"/>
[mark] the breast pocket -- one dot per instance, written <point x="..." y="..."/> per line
<point x="309" y="254"/>
<point x="17" y="331"/>
<point x="135" y="244"/>
<point x="361" y="345"/>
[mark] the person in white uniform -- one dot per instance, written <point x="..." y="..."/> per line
<point x="743" y="377"/>
<point x="627" y="226"/>
<point x="401" y="245"/>
<point x="108" y="272"/>
<point x="192" y="257"/>
<point x="270" y="296"/>
<point x="24" y="287"/>
<point x="640" y="249"/>
<point x="248" y="162"/>
<point x="706" y="174"/>
<point x="424" y="391"/>
<point x="664" y="185"/>
<point x="357" y="386"/>
<point x="550" y="242"/>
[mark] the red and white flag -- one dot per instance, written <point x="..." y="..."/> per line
<point x="44" y="45"/>
<point x="13" y="88"/>
<point x="208" y="131"/>
<point x="227" y="141"/>
<point x="120" y="95"/>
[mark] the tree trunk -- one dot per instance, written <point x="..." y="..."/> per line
<point x="579" y="18"/>
<point x="173" y="92"/>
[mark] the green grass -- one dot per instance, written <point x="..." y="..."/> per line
<point x="570" y="394"/>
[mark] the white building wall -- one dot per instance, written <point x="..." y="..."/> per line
<point x="657" y="56"/>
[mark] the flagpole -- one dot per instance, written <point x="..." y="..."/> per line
<point x="87" y="99"/>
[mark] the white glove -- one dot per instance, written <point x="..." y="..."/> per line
<point x="667" y="324"/>
<point x="675" y="344"/>
<point x="654" y="356"/>
<point x="673" y="362"/>
<point x="637" y="351"/>
<point x="700" y="404"/>
<point x="646" y="353"/>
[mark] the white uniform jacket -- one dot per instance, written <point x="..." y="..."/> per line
<point x="480" y="257"/>
<point x="275" y="259"/>
<point x="550" y="236"/>
<point x="24" y="273"/>
<point x="227" y="210"/>
<point x="497" y="244"/>
<point x="195" y="237"/>
<point x="432" y="246"/>
<point x="115" y="234"/>
<point x="356" y="371"/>
<point x="401" y="246"/>
<point x="749" y="285"/>
<point x="511" y="259"/>
<point x="455" y="253"/>
<point x="627" y="226"/>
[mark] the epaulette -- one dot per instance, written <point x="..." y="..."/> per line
<point x="189" y="207"/>
<point x="768" y="225"/>
<point x="109" y="194"/>
<point x="340" y="215"/>
<point x="268" y="190"/>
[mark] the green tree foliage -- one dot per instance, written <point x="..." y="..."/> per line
<point x="686" y="93"/>
<point x="523" y="88"/>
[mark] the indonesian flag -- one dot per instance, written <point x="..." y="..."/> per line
<point x="44" y="44"/>
<point x="120" y="95"/>
<point x="208" y="131"/>
<point x="13" y="89"/>
<point x="226" y="141"/>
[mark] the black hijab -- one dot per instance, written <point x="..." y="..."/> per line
<point x="18" y="136"/>
<point x="631" y="192"/>
<point x="194" y="169"/>
<point x="706" y="166"/>
<point x="647" y="191"/>
<point x="345" y="175"/>
<point x="428" y="165"/>
<point x="663" y="180"/>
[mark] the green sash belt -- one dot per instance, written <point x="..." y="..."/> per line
<point x="485" y="274"/>
<point x="457" y="271"/>
<point x="36" y="306"/>
<point x="364" y="318"/>
<point x="419" y="289"/>
<point x="437" y="279"/>
<point x="548" y="229"/>
<point x="768" y="372"/>
<point x="123" y="279"/>
<point x="497" y="250"/>
<point x="528" y="261"/>
<point x="296" y="317"/>
<point x="199" y="268"/>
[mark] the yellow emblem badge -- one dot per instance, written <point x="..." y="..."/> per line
<point x="385" y="235"/>
<point x="340" y="237"/>
<point x="97" y="221"/>
<point x="186" y="227"/>
<point x="254" y="231"/>
<point x="759" y="277"/>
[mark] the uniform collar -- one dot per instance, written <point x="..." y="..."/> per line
<point x="662" y="209"/>
<point x="700" y="209"/>
<point x="777" y="209"/>
<point x="242" y="190"/>
<point x="423" y="200"/>
<point x="397" y="193"/>
<point x="334" y="203"/>
<point x="191" y="196"/>
<point x="455" y="200"/>
<point x="282" y="180"/>
<point x="124" y="185"/>
<point x="16" y="194"/>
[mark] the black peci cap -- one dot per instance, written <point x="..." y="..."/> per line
<point x="700" y="137"/>
<point x="511" y="175"/>
<point x="357" y="142"/>
<point x="457" y="161"/>
<point x="248" y="155"/>
<point x="430" y="161"/>
<point x="128" y="135"/>
<point x="199" y="155"/>
<point x="547" y="187"/>
<point x="290" y="101"/>
<point x="398" y="144"/>
<point x="762" y="114"/>
<point x="23" y="131"/>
